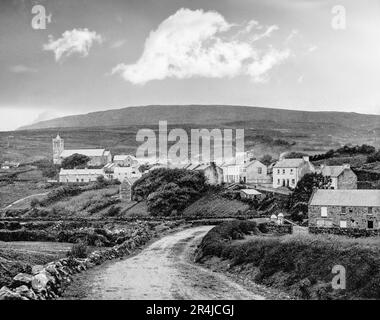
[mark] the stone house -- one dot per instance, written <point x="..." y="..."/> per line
<point x="126" y="173"/>
<point x="80" y="175"/>
<point x="212" y="172"/>
<point x="125" y="160"/>
<point x="342" y="177"/>
<point x="345" y="209"/>
<point x="233" y="173"/>
<point x="256" y="172"/>
<point x="287" y="172"/>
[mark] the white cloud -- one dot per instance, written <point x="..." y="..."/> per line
<point x="22" y="69"/>
<point x="75" y="41"/>
<point x="312" y="48"/>
<point x="117" y="44"/>
<point x="194" y="43"/>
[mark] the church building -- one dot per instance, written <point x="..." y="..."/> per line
<point x="98" y="157"/>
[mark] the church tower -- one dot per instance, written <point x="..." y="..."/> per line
<point x="58" y="147"/>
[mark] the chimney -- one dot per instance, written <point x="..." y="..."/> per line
<point x="305" y="158"/>
<point x="346" y="166"/>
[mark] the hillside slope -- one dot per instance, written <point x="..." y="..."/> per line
<point x="208" y="114"/>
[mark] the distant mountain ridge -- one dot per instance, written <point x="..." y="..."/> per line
<point x="209" y="115"/>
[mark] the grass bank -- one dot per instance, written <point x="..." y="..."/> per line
<point x="301" y="265"/>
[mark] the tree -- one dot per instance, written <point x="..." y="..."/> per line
<point x="74" y="161"/>
<point x="266" y="159"/>
<point x="374" y="157"/>
<point x="294" y="155"/>
<point x="303" y="191"/>
<point x="169" y="191"/>
<point x="144" y="167"/>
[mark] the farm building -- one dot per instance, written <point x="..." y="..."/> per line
<point x="345" y="209"/>
<point x="251" y="194"/>
<point x="80" y="175"/>
<point x="342" y="177"/>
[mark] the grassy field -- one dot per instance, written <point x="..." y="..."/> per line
<point x="213" y="205"/>
<point x="301" y="265"/>
<point x="18" y="257"/>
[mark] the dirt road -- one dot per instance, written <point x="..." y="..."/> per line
<point x="163" y="270"/>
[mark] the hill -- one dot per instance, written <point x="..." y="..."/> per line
<point x="209" y="114"/>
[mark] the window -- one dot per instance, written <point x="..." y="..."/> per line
<point x="343" y="210"/>
<point x="278" y="181"/>
<point x="350" y="210"/>
<point x="343" y="224"/>
<point x="77" y="180"/>
<point x="324" y="223"/>
<point x="291" y="171"/>
<point x="293" y="181"/>
<point x="259" y="170"/>
<point x="370" y="210"/>
<point x="283" y="171"/>
<point x="370" y="224"/>
<point x="278" y="171"/>
<point x="323" y="211"/>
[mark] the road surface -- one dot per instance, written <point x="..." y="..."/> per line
<point x="162" y="271"/>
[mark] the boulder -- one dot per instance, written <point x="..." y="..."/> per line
<point x="40" y="282"/>
<point x="37" y="269"/>
<point x="7" y="294"/>
<point x="26" y="292"/>
<point x="22" y="279"/>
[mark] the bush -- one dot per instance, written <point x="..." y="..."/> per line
<point x="374" y="157"/>
<point x="79" y="250"/>
<point x="169" y="191"/>
<point x="113" y="211"/>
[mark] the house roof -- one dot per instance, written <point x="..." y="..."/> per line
<point x="333" y="171"/>
<point x="122" y="157"/>
<point x="354" y="198"/>
<point x="246" y="165"/>
<point x="86" y="152"/>
<point x="289" y="163"/>
<point x="251" y="191"/>
<point x="81" y="171"/>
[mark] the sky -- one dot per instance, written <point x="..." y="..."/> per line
<point x="96" y="55"/>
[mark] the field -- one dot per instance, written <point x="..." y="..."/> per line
<point x="299" y="264"/>
<point x="18" y="256"/>
<point x="215" y="206"/>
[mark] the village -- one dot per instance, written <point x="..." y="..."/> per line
<point x="336" y="207"/>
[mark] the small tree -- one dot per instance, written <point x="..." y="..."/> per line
<point x="266" y="159"/>
<point x="303" y="191"/>
<point x="74" y="161"/>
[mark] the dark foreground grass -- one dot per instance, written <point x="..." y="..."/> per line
<point x="301" y="265"/>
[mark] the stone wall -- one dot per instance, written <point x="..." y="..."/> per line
<point x="271" y="227"/>
<point x="357" y="233"/>
<point x="48" y="281"/>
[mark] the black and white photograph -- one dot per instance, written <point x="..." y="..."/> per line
<point x="187" y="154"/>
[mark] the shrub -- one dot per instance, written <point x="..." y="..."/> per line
<point x="169" y="191"/>
<point x="113" y="211"/>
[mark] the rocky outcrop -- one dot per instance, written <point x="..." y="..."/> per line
<point x="48" y="281"/>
